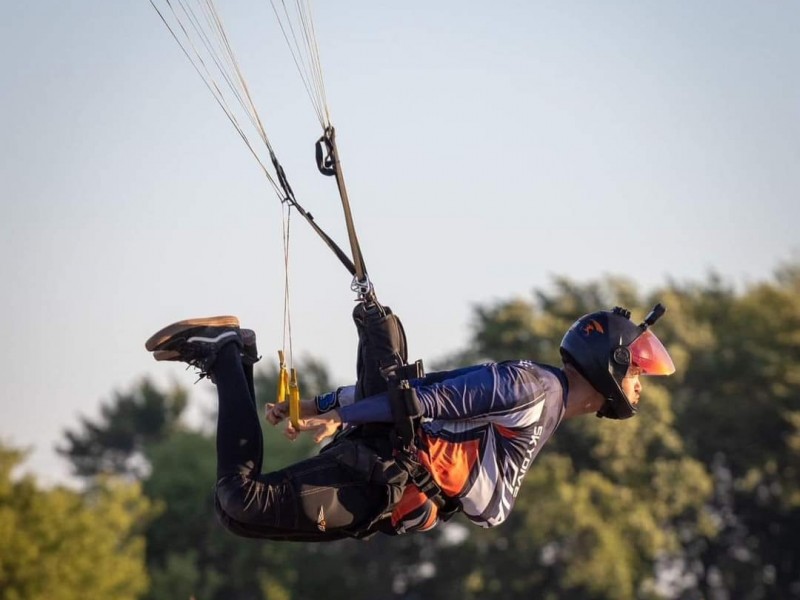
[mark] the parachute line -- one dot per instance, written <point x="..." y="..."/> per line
<point x="287" y="317"/>
<point x="198" y="29"/>
<point x="305" y="54"/>
<point x="203" y="41"/>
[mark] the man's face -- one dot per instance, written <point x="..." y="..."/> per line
<point x="631" y="384"/>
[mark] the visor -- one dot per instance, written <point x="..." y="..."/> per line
<point x="649" y="354"/>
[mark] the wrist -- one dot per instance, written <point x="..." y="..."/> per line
<point x="308" y="408"/>
<point x="327" y="402"/>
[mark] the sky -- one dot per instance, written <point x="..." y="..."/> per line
<point x="488" y="147"/>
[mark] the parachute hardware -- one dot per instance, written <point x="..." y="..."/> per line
<point x="328" y="163"/>
<point x="406" y="409"/>
<point x="383" y="366"/>
<point x="290" y="199"/>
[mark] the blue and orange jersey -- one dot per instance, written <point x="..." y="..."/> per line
<point x="482" y="428"/>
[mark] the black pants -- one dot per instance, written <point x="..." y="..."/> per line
<point x="338" y="493"/>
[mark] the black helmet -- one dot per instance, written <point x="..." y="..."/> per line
<point x="602" y="345"/>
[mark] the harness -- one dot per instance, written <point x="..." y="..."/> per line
<point x="407" y="415"/>
<point x="382" y="365"/>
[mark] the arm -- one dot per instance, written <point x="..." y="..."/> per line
<point x="345" y="396"/>
<point x="439" y="376"/>
<point x="322" y="425"/>
<point x="376" y="409"/>
<point x="472" y="392"/>
<point x="468" y="394"/>
<point x="342" y="396"/>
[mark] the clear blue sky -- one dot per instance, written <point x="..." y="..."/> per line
<point x="492" y="144"/>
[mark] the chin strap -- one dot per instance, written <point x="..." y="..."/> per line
<point x="610" y="410"/>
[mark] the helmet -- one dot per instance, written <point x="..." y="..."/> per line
<point x="602" y="345"/>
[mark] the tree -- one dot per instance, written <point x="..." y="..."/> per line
<point x="605" y="503"/>
<point x="738" y="406"/>
<point x="63" y="545"/>
<point x="697" y="497"/>
<point x="713" y="458"/>
<point x="115" y="443"/>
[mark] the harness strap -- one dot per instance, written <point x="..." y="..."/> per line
<point x="383" y="366"/>
<point x="328" y="163"/>
<point x="405" y="405"/>
<point x="289" y="197"/>
<point x="425" y="483"/>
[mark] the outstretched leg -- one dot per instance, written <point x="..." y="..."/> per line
<point x="215" y="346"/>
<point x="318" y="499"/>
<point x="239" y="439"/>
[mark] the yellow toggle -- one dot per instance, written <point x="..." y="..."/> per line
<point x="288" y="389"/>
<point x="283" y="378"/>
<point x="294" y="400"/>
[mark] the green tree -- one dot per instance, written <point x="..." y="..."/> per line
<point x="697" y="497"/>
<point x="115" y="442"/>
<point x="60" y="544"/>
<point x="605" y="503"/>
<point x="737" y="405"/>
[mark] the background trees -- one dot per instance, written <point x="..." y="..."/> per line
<point x="698" y="497"/>
<point x="59" y="544"/>
<point x="737" y="407"/>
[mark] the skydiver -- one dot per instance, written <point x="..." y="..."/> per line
<point x="479" y="430"/>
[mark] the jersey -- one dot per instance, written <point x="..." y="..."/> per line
<point x="482" y="429"/>
<point x="487" y="427"/>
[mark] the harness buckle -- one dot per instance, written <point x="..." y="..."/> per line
<point x="362" y="287"/>
<point x="324" y="150"/>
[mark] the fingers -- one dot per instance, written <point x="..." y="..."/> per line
<point x="322" y="434"/>
<point x="275" y="413"/>
<point x="290" y="432"/>
<point x="319" y="431"/>
<point x="319" y="427"/>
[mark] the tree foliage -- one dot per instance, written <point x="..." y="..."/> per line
<point x="59" y="544"/>
<point x="697" y="497"/>
<point x="738" y="406"/>
<point x="115" y="442"/>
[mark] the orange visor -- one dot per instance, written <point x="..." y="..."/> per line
<point x="649" y="354"/>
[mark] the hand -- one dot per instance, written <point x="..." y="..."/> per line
<point x="322" y="426"/>
<point x="275" y="413"/>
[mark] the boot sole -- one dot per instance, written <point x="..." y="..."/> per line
<point x="167" y="332"/>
